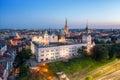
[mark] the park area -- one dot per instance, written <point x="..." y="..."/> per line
<point x="76" y="67"/>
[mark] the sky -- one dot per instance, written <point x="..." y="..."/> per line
<point x="43" y="14"/>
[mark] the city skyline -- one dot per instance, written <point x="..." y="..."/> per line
<point x="39" y="14"/>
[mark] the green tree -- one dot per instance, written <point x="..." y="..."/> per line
<point x="96" y="41"/>
<point x="102" y="42"/>
<point x="115" y="50"/>
<point x="20" y="62"/>
<point x="25" y="54"/>
<point x="100" y="53"/>
<point x="114" y="39"/>
<point x="108" y="42"/>
<point x="24" y="68"/>
<point x="99" y="42"/>
<point x="82" y="51"/>
<point x="89" y="78"/>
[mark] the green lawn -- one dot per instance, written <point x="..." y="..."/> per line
<point x="74" y="65"/>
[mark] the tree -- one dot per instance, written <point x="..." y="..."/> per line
<point x="89" y="78"/>
<point x="20" y="62"/>
<point x="22" y="57"/>
<point x="25" y="54"/>
<point x="24" y="68"/>
<point x="112" y="55"/>
<point x="99" y="42"/>
<point x="114" y="39"/>
<point x="100" y="53"/>
<point x="96" y="41"/>
<point x="82" y="51"/>
<point x="102" y="42"/>
<point x="115" y="50"/>
<point x="108" y="42"/>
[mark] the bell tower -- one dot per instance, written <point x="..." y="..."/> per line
<point x="66" y="29"/>
<point x="86" y="29"/>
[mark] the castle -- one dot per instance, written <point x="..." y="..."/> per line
<point x="49" y="47"/>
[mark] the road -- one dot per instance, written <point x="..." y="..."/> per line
<point x="112" y="74"/>
<point x="115" y="75"/>
<point x="102" y="73"/>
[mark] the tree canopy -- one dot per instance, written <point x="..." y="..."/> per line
<point x="100" y="53"/>
<point x="25" y="54"/>
<point x="82" y="51"/>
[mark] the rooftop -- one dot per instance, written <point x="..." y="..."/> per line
<point x="55" y="44"/>
<point x="1" y="45"/>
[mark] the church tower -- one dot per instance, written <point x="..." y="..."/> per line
<point x="86" y="29"/>
<point x="66" y="29"/>
<point x="86" y="37"/>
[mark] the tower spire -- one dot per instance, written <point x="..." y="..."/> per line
<point x="87" y="24"/>
<point x="66" y="22"/>
<point x="87" y="27"/>
<point x="66" y="29"/>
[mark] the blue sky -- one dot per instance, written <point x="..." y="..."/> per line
<point x="35" y="14"/>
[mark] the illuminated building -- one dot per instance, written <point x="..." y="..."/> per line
<point x="16" y="39"/>
<point x="63" y="49"/>
<point x="44" y="39"/>
<point x="49" y="47"/>
<point x="86" y="37"/>
<point x="56" y="51"/>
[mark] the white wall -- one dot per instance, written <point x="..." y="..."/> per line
<point x="53" y="53"/>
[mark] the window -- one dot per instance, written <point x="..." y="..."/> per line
<point x="72" y="54"/>
<point x="56" y="49"/>
<point x="42" y="51"/>
<point x="46" y="58"/>
<point x="41" y="59"/>
<point x="52" y="57"/>
<point x="52" y="50"/>
<point x="47" y="50"/>
<point x="42" y="54"/>
<point x="57" y="53"/>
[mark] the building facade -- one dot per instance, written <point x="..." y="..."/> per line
<point x="3" y="48"/>
<point x="44" y="39"/>
<point x="45" y="53"/>
<point x="59" y="50"/>
<point x="49" y="47"/>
